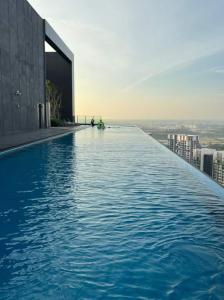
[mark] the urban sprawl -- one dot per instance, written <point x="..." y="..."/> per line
<point x="209" y="161"/>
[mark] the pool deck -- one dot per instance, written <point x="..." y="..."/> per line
<point x="20" y="139"/>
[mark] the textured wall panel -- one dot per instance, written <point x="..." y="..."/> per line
<point x="21" y="66"/>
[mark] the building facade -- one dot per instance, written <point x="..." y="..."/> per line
<point x="203" y="160"/>
<point x="23" y="33"/>
<point x="172" y="142"/>
<point x="22" y="76"/>
<point x="183" y="145"/>
<point x="218" y="167"/>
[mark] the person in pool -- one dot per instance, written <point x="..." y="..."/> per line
<point x="92" y="122"/>
<point x="101" y="125"/>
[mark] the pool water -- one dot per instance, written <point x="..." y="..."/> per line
<point x="108" y="215"/>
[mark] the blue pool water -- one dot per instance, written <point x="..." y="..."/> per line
<point x="108" y="215"/>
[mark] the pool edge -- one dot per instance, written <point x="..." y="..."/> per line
<point x="214" y="186"/>
<point x="39" y="141"/>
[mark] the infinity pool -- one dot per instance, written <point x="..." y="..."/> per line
<point x="108" y="215"/>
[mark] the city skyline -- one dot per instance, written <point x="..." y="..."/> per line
<point x="151" y="60"/>
<point x="207" y="160"/>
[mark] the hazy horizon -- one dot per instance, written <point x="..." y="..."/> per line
<point x="143" y="59"/>
<point x="166" y="119"/>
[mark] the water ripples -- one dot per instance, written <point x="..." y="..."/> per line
<point x="108" y="215"/>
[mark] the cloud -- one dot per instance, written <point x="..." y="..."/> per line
<point x="219" y="70"/>
<point x="96" y="47"/>
<point x="171" y="68"/>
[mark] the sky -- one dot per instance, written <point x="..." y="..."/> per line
<point x="143" y="59"/>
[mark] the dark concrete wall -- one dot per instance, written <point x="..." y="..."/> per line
<point x="21" y="66"/>
<point x="59" y="71"/>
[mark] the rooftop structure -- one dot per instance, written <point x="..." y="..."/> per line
<point x="23" y="103"/>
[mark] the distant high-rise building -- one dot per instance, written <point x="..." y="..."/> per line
<point x="203" y="160"/>
<point x="218" y="167"/>
<point x="183" y="145"/>
<point x="172" y="142"/>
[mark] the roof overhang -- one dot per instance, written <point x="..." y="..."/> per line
<point x="54" y="40"/>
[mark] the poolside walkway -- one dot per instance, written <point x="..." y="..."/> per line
<point x="19" y="139"/>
